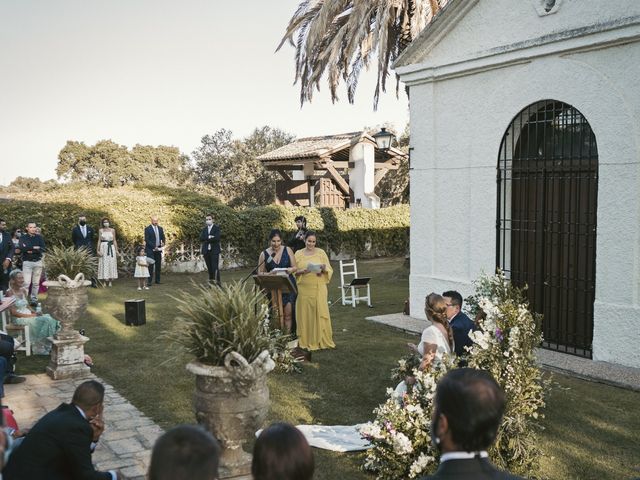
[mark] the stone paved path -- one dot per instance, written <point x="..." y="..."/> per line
<point x="603" y="372"/>
<point x="129" y="435"/>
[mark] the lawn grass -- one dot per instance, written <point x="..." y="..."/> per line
<point x="591" y="430"/>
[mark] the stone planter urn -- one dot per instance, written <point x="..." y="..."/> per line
<point x="67" y="302"/>
<point x="232" y="402"/>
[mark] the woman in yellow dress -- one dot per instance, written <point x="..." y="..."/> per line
<point x="312" y="310"/>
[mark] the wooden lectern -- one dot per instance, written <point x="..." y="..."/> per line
<point x="276" y="285"/>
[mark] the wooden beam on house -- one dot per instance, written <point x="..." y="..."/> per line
<point x="336" y="177"/>
<point x="379" y="175"/>
<point x="283" y="174"/>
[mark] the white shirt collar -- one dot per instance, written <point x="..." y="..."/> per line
<point x="83" y="414"/>
<point x="462" y="455"/>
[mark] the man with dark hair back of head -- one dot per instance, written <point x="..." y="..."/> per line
<point x="468" y="408"/>
<point x="60" y="444"/>
<point x="185" y="452"/>
<point x="459" y="321"/>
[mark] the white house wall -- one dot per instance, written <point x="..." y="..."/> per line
<point x="457" y="125"/>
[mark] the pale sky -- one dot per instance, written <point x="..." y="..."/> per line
<point x="156" y="72"/>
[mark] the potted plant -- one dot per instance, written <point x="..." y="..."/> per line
<point x="226" y="330"/>
<point x="67" y="299"/>
<point x="67" y="272"/>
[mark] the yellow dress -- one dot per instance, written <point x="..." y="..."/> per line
<point x="312" y="311"/>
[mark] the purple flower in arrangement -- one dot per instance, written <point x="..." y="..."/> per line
<point x="389" y="426"/>
<point x="499" y="335"/>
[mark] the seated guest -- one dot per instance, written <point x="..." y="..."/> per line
<point x="185" y="452"/>
<point x="468" y="408"/>
<point x="59" y="445"/>
<point x="7" y="362"/>
<point x="282" y="453"/>
<point x="460" y="323"/>
<point x="41" y="326"/>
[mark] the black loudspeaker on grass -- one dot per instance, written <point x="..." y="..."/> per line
<point x="135" y="312"/>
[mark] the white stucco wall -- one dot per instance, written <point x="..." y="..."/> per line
<point x="361" y="175"/>
<point x="457" y="124"/>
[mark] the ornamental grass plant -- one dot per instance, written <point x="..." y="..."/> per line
<point x="213" y="322"/>
<point x="69" y="261"/>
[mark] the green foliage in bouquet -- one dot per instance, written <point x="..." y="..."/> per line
<point x="401" y="433"/>
<point x="504" y="346"/>
<point x="69" y="261"/>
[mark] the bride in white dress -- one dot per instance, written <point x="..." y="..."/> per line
<point x="436" y="339"/>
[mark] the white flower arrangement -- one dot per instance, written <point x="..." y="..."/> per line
<point x="504" y="344"/>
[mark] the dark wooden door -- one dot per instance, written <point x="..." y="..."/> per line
<point x="547" y="176"/>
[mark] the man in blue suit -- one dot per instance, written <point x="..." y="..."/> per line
<point x="6" y="254"/>
<point x="154" y="243"/>
<point x="460" y="323"/>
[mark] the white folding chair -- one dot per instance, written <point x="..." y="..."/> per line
<point x="351" y="284"/>
<point x="20" y="332"/>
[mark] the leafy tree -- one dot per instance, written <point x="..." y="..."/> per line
<point x="30" y="184"/>
<point x="229" y="167"/>
<point x="337" y="38"/>
<point x="109" y="165"/>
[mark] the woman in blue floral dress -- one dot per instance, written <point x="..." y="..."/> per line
<point x="41" y="326"/>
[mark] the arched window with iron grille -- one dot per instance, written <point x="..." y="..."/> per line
<point x="546" y="219"/>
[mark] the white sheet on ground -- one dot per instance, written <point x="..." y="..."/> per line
<point x="337" y="438"/>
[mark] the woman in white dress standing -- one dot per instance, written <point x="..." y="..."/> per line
<point x="107" y="253"/>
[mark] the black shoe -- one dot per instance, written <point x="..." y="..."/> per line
<point x="157" y="283"/>
<point x="13" y="379"/>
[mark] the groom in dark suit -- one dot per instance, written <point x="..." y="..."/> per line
<point x="59" y="445"/>
<point x="468" y="408"/>
<point x="6" y="254"/>
<point x="459" y="321"/>
<point x="154" y="242"/>
<point x="210" y="248"/>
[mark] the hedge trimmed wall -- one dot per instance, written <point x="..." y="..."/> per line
<point x="360" y="232"/>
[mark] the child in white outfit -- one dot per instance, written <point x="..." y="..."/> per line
<point x="142" y="269"/>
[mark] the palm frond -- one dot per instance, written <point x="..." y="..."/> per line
<point x="336" y="39"/>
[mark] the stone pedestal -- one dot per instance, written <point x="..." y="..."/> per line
<point x="67" y="358"/>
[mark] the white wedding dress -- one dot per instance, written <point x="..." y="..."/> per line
<point x="434" y="336"/>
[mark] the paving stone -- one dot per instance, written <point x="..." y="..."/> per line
<point x="134" y="471"/>
<point x="110" y="435"/>
<point x="125" y="446"/>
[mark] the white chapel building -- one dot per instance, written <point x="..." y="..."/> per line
<point x="525" y="132"/>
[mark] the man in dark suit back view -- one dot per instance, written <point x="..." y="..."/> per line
<point x="59" y="445"/>
<point x="468" y="409"/>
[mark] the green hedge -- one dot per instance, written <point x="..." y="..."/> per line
<point x="361" y="232"/>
